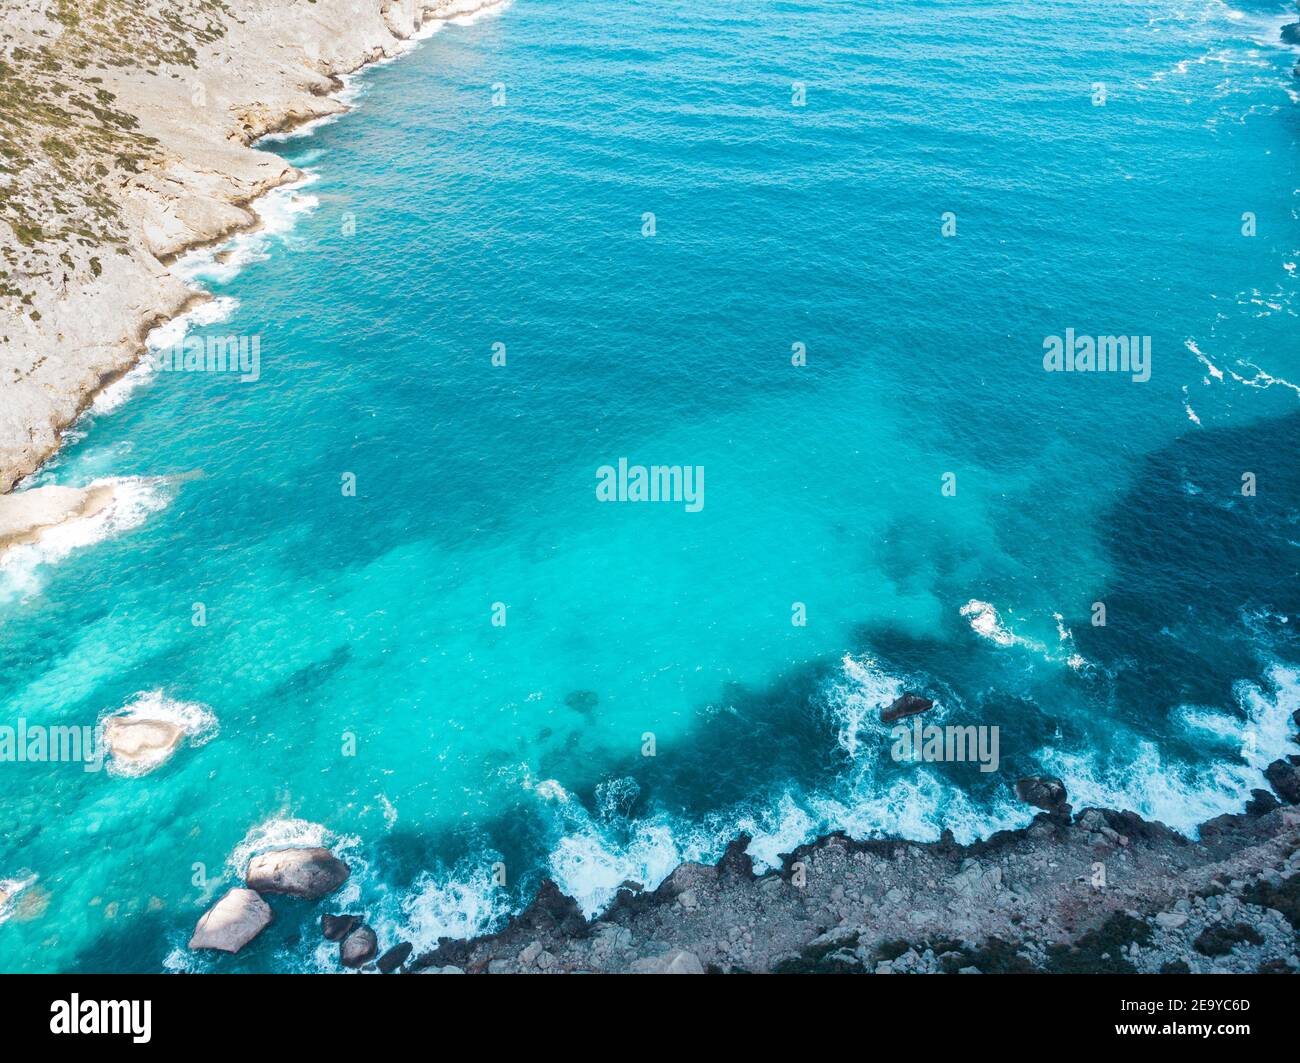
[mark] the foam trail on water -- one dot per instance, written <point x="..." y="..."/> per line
<point x="855" y="700"/>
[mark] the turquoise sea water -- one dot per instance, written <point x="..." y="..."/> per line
<point x="437" y="225"/>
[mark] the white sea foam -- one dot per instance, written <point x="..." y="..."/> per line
<point x="1259" y="378"/>
<point x="197" y="721"/>
<point x="987" y="623"/>
<point x="918" y="806"/>
<point x="282" y="832"/>
<point x="1184" y="795"/>
<point x="855" y="698"/>
<point x="10" y="888"/>
<point x="165" y="336"/>
<point x="462" y="903"/>
<point x="134" y="499"/>
<point x="278" y="211"/>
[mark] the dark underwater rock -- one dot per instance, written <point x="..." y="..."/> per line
<point x="582" y="700"/>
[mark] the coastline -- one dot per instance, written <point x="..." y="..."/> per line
<point x="685" y="912"/>
<point x="198" y="190"/>
<point x="1095" y="891"/>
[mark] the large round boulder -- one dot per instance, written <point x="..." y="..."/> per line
<point x="306" y="873"/>
<point x="358" y="947"/>
<point x="232" y="922"/>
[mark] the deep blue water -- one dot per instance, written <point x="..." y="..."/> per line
<point x="437" y="225"/>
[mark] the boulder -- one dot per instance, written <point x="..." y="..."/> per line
<point x="674" y="961"/>
<point x="337" y="927"/>
<point x="907" y="705"/>
<point x="232" y="922"/>
<point x="1261" y="801"/>
<point x="1291" y="33"/>
<point x="1042" y="791"/>
<point x="394" y="958"/>
<point x="139" y="745"/>
<point x="1284" y="777"/>
<point x="358" y="947"/>
<point x="306" y="873"/>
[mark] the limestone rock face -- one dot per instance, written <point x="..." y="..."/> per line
<point x="183" y="106"/>
<point x="674" y="961"/>
<point x="26" y="515"/>
<point x="232" y="922"/>
<point x="306" y="873"/>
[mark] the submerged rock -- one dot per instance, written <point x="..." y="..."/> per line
<point x="306" y="873"/>
<point x="394" y="957"/>
<point x="582" y="700"/>
<point x="232" y="922"/>
<point x="907" y="705"/>
<point x="1042" y="791"/>
<point x="358" y="947"/>
<point x="337" y="927"/>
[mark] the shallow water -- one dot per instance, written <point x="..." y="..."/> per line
<point x="360" y="694"/>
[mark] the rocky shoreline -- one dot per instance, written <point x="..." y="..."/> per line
<point x="1097" y="891"/>
<point x="134" y="125"/>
